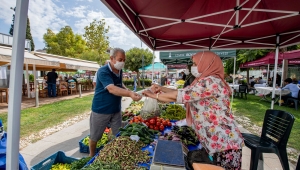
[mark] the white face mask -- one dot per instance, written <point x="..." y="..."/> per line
<point x="194" y="71"/>
<point x="187" y="72"/>
<point x="119" y="65"/>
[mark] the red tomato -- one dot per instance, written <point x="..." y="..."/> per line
<point x="158" y="120"/>
<point x="167" y="120"/>
<point x="151" y="127"/>
<point x="161" y="128"/>
<point x="147" y="123"/>
<point x="152" y="121"/>
<point x="169" y="124"/>
<point x="158" y="123"/>
<point x="165" y="123"/>
<point x="155" y="128"/>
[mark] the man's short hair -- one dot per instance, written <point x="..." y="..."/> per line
<point x="288" y="80"/>
<point x="113" y="52"/>
<point x="53" y="70"/>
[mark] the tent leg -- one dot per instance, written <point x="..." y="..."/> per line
<point x="275" y="71"/>
<point x="234" y="63"/>
<point x="28" y="83"/>
<point x="281" y="81"/>
<point x="268" y="74"/>
<point x="153" y="66"/>
<point x="36" y="87"/>
<point x="15" y="86"/>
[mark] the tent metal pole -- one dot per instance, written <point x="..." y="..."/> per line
<point x="27" y="79"/>
<point x="36" y="86"/>
<point x="153" y="57"/>
<point x="281" y="81"/>
<point x="15" y="85"/>
<point x="275" y="70"/>
<point x="268" y="73"/>
<point x="234" y="64"/>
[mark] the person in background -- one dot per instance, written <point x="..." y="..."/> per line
<point x="295" y="81"/>
<point x="260" y="80"/>
<point x="208" y="110"/>
<point x="293" y="88"/>
<point x="51" y="81"/>
<point x="190" y="78"/>
<point x="106" y="105"/>
<point x="45" y="82"/>
<point x="163" y="80"/>
<point x="183" y="76"/>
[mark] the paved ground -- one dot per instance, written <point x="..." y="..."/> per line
<point x="67" y="140"/>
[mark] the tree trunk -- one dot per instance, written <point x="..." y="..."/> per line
<point x="138" y="78"/>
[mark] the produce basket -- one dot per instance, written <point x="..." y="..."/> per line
<point x="58" y="157"/>
<point x="85" y="149"/>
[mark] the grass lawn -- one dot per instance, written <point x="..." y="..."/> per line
<point x="255" y="111"/>
<point x="34" y="120"/>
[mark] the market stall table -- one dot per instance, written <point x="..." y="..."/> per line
<point x="264" y="91"/>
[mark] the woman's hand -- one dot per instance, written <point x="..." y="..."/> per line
<point x="156" y="88"/>
<point x="148" y="93"/>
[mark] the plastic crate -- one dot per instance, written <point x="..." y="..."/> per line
<point x="85" y="149"/>
<point x="58" y="157"/>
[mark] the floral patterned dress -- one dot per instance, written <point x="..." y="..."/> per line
<point x="209" y="102"/>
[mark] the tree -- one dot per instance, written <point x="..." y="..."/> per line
<point x="243" y="56"/>
<point x="64" y="43"/>
<point x="28" y="30"/>
<point x="134" y="60"/>
<point x="92" y="55"/>
<point x="95" y="35"/>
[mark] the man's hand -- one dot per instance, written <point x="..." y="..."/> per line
<point x="135" y="96"/>
<point x="155" y="88"/>
<point x="148" y="93"/>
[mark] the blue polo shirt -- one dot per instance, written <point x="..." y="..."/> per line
<point x="103" y="101"/>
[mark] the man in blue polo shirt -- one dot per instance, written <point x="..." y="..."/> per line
<point x="106" y="106"/>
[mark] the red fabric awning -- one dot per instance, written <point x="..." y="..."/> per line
<point x="293" y="58"/>
<point x="268" y="59"/>
<point x="292" y="54"/>
<point x="206" y="24"/>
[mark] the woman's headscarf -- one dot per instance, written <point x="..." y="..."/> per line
<point x="208" y="64"/>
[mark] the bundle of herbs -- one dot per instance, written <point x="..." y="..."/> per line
<point x="126" y="152"/>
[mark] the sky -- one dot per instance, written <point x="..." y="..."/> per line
<point x="55" y="14"/>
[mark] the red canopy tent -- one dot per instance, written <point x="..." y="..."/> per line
<point x="293" y="58"/>
<point x="268" y="59"/>
<point x="206" y="24"/>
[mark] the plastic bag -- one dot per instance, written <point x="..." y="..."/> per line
<point x="150" y="109"/>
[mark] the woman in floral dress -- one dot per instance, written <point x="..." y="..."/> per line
<point x="207" y="101"/>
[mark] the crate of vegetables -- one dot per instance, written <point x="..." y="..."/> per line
<point x="56" y="161"/>
<point x="84" y="144"/>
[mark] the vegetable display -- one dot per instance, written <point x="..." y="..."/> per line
<point x="173" y="112"/>
<point x="158" y="123"/>
<point x="146" y="135"/>
<point x="61" y="166"/>
<point x="186" y="134"/>
<point x="180" y="82"/>
<point x="100" y="143"/>
<point x="133" y="110"/>
<point x="124" y="151"/>
<point x="80" y="163"/>
<point x="99" y="165"/>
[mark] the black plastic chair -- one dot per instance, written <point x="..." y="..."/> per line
<point x="274" y="137"/>
<point x="298" y="164"/>
<point x="296" y="101"/>
<point x="243" y="89"/>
